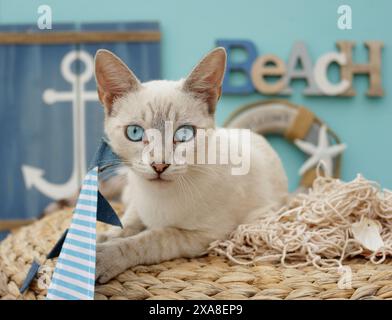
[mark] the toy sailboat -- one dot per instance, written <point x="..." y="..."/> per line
<point x="74" y="274"/>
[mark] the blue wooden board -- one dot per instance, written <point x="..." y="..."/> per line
<point x="36" y="133"/>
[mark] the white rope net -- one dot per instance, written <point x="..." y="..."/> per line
<point x="316" y="228"/>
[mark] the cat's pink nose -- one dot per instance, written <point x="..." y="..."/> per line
<point x="159" y="167"/>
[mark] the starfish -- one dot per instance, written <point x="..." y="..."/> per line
<point x="323" y="152"/>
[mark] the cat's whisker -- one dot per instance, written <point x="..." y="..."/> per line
<point x="181" y="190"/>
<point x="206" y="170"/>
<point x="189" y="190"/>
<point x="196" y="189"/>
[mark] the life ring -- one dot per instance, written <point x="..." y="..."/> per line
<point x="289" y="120"/>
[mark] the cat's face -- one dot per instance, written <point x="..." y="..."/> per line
<point x="165" y="116"/>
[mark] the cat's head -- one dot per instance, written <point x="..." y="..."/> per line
<point x="134" y="111"/>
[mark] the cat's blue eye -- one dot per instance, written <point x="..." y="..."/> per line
<point x="135" y="133"/>
<point x="184" y="133"/>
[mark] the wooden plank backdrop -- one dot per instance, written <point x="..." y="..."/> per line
<point x="40" y="134"/>
<point x="78" y="37"/>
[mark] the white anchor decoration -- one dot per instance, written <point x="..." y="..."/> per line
<point x="34" y="176"/>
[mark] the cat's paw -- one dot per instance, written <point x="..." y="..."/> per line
<point x="110" y="261"/>
<point x="102" y="237"/>
<point x="105" y="236"/>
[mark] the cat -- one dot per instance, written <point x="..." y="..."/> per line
<point x="175" y="210"/>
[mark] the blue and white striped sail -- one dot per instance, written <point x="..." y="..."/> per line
<point x="74" y="275"/>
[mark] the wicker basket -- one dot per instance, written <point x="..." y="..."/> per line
<point x="203" y="278"/>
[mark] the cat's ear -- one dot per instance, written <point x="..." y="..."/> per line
<point x="113" y="77"/>
<point x="205" y="80"/>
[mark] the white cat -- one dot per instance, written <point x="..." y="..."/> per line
<point x="175" y="210"/>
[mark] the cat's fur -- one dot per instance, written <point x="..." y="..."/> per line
<point x="196" y="204"/>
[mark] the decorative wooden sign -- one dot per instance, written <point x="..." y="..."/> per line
<point x="51" y="120"/>
<point x="258" y="69"/>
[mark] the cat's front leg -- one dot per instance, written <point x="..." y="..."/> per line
<point x="131" y="225"/>
<point x="147" y="247"/>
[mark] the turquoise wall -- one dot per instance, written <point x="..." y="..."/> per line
<point x="190" y="29"/>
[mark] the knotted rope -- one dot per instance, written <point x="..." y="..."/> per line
<point x="314" y="228"/>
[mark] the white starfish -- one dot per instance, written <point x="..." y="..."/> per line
<point x="323" y="152"/>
